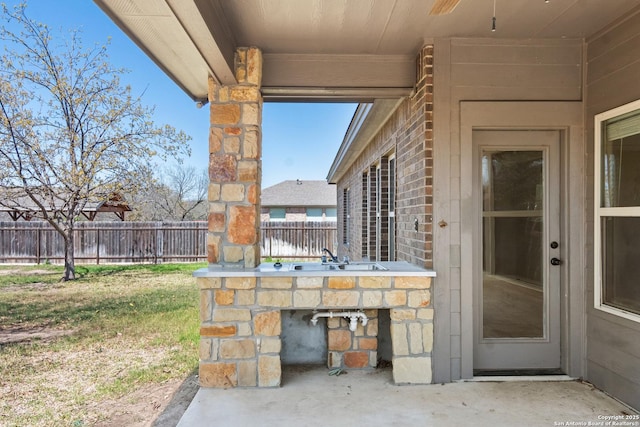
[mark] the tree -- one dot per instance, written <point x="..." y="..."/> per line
<point x="179" y="194"/>
<point x="70" y="132"/>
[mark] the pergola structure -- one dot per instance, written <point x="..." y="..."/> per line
<point x="114" y="204"/>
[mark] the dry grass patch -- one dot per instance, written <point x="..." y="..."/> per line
<point x="101" y="338"/>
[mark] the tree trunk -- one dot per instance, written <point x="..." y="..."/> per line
<point x="69" y="257"/>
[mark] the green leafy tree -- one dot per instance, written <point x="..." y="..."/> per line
<point x="70" y="132"/>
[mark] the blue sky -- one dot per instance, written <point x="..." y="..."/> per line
<point x="299" y="141"/>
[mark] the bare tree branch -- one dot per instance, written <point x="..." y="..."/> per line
<point x="70" y="132"/>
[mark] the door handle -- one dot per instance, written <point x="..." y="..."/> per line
<point x="556" y="261"/>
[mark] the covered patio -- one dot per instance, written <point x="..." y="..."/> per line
<point x="440" y="91"/>
<point x="310" y="397"/>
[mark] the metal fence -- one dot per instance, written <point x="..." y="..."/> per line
<point x="154" y="242"/>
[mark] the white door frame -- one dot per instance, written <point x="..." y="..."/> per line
<point x="566" y="117"/>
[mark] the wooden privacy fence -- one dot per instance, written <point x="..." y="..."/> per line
<point x="157" y="242"/>
<point x="110" y="242"/>
<point x="297" y="239"/>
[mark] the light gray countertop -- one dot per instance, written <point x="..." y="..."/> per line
<point x="305" y="269"/>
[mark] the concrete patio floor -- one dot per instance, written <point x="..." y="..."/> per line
<point x="311" y="397"/>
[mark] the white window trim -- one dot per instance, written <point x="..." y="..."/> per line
<point x="610" y="212"/>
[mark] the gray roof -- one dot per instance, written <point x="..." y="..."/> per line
<point x="300" y="193"/>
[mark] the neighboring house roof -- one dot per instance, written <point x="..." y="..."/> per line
<point x="300" y="193"/>
<point x="26" y="209"/>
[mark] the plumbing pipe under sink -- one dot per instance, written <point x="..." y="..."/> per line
<point x="352" y="315"/>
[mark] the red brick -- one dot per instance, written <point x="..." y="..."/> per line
<point x="339" y="340"/>
<point x="368" y="343"/>
<point x="356" y="359"/>
<point x="213" y="253"/>
<point x="217" y="331"/>
<point x="222" y="168"/>
<point x="216" y="222"/>
<point x="242" y="225"/>
<point x="252" y="194"/>
<point x="233" y="131"/>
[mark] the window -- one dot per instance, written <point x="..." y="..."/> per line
<point x="277" y="214"/>
<point x="345" y="215"/>
<point x="379" y="201"/>
<point x="391" y="200"/>
<point x="331" y="214"/>
<point x="617" y="211"/>
<point x="365" y="215"/>
<point x="314" y="214"/>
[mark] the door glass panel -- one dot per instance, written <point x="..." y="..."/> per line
<point x="512" y="233"/>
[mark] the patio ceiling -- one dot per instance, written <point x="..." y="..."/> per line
<point x="355" y="50"/>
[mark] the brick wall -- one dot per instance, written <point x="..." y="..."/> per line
<point x="408" y="134"/>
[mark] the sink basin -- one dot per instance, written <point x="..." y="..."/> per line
<point x="313" y="267"/>
<point x="361" y="266"/>
<point x="356" y="266"/>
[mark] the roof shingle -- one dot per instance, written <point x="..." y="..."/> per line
<point x="300" y="193"/>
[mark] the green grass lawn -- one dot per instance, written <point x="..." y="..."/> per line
<point x="115" y="329"/>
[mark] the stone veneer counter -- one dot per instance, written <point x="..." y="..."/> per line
<point x="240" y="315"/>
<point x="392" y="268"/>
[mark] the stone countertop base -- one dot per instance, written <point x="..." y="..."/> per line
<point x="391" y="268"/>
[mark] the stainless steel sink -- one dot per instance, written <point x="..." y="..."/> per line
<point x="313" y="267"/>
<point x="355" y="266"/>
<point x="362" y="266"/>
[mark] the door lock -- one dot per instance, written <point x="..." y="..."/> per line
<point x="554" y="245"/>
<point x="555" y="261"/>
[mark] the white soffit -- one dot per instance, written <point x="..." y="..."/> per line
<point x="333" y="45"/>
<point x="157" y="29"/>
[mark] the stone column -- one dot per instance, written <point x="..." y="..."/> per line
<point x="235" y="140"/>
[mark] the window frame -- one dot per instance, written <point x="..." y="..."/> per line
<point x="603" y="212"/>
<point x="378" y="210"/>
<point x="391" y="201"/>
<point x="346" y="215"/>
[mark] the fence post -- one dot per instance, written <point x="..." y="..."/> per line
<point x="196" y="243"/>
<point x="270" y="242"/>
<point x="38" y="245"/>
<point x="160" y="243"/>
<point x="98" y="246"/>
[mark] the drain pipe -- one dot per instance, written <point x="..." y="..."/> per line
<point x="352" y="315"/>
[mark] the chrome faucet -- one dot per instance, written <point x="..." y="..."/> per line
<point x="333" y="257"/>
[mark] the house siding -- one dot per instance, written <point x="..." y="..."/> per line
<point x="480" y="70"/>
<point x="408" y="132"/>
<point x="613" y="343"/>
